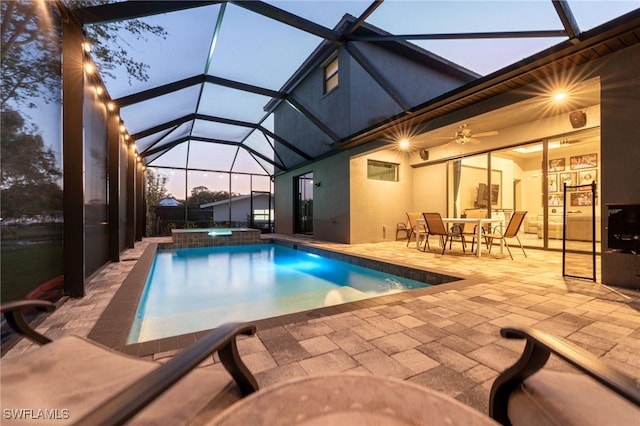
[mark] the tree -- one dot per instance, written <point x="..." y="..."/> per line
<point x="156" y="187"/>
<point x="110" y="49"/>
<point x="155" y="191"/>
<point x="30" y="54"/>
<point x="201" y="195"/>
<point x="31" y="50"/>
<point x="29" y="175"/>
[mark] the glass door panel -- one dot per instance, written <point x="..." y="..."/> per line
<point x="468" y="183"/>
<point x="304" y="204"/>
<point x="520" y="177"/>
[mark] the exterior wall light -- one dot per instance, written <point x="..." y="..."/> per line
<point x="111" y="106"/>
<point x="89" y="68"/>
<point x="404" y="144"/>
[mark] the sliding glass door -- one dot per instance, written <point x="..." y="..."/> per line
<point x="304" y="204"/>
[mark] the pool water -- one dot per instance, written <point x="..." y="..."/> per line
<point x="198" y="289"/>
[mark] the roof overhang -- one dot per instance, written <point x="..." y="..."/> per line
<point x="588" y="46"/>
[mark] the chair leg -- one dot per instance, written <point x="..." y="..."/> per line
<point x="463" y="243"/>
<point x="426" y="240"/>
<point x="409" y="237"/>
<point x="444" y="246"/>
<point x="473" y="240"/>
<point x="507" y="246"/>
<point x="489" y="243"/>
<point x="522" y="248"/>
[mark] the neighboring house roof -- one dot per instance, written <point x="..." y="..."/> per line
<point x="233" y="200"/>
<point x="169" y="202"/>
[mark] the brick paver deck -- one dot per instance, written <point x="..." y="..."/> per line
<point x="445" y="339"/>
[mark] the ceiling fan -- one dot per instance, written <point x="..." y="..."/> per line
<point x="464" y="135"/>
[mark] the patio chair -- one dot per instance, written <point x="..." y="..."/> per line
<point x="402" y="228"/>
<point x="470" y="231"/>
<point x="413" y="226"/>
<point x="594" y="394"/>
<point x="90" y="384"/>
<point x="436" y="227"/>
<point x="511" y="232"/>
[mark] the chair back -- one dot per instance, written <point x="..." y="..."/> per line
<point x="413" y="217"/>
<point x="473" y="214"/>
<point x="435" y="223"/>
<point x="514" y="224"/>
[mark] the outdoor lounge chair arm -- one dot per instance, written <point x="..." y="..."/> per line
<point x="127" y="403"/>
<point x="536" y="353"/>
<point x="14" y="313"/>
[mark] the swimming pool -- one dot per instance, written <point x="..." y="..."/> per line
<point x="197" y="289"/>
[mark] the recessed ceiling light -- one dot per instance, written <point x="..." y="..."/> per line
<point x="559" y="96"/>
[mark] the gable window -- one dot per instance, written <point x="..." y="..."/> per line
<point x="331" y="76"/>
<point x="380" y="170"/>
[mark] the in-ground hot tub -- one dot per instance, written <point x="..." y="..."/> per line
<point x="209" y="237"/>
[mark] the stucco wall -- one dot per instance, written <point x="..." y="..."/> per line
<point x="377" y="206"/>
<point x="330" y="199"/>
<point x="430" y="189"/>
<point x="620" y="152"/>
<point x="620" y="166"/>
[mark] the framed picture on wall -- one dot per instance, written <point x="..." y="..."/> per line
<point x="581" y="199"/>
<point x="585" y="177"/>
<point x="555" y="200"/>
<point x="567" y="177"/>
<point x="586" y="161"/>
<point x="556" y="165"/>
<point x="552" y="182"/>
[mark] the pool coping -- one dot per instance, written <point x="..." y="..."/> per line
<point x="113" y="326"/>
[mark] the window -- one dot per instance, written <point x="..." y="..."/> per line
<point x="262" y="215"/>
<point x="379" y="170"/>
<point x="331" y="76"/>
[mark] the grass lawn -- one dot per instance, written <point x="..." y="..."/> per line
<point x="29" y="262"/>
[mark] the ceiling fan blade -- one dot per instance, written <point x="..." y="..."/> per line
<point x="482" y="134"/>
<point x="473" y="141"/>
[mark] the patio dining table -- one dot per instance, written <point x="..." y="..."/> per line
<point x="350" y="399"/>
<point x="478" y="222"/>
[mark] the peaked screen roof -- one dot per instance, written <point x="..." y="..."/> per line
<point x="207" y="104"/>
